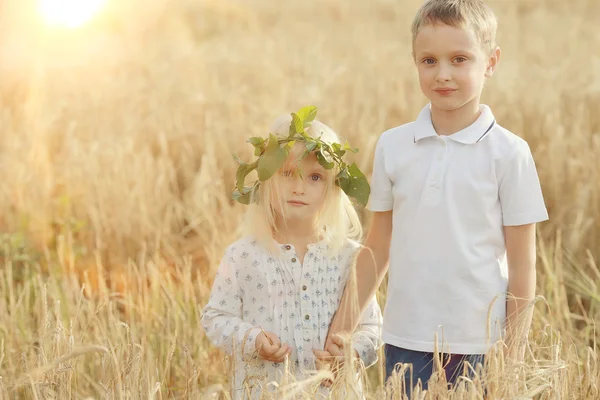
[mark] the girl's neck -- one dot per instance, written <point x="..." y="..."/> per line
<point x="298" y="239"/>
<point x="298" y="233"/>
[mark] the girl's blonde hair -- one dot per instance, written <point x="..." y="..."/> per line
<point x="337" y="220"/>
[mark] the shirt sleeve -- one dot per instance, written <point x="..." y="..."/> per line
<point x="520" y="191"/>
<point x="381" y="198"/>
<point x="222" y="316"/>
<point x="366" y="340"/>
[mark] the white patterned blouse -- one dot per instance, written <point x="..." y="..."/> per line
<point x="256" y="289"/>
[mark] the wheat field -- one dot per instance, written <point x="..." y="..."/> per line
<point x="115" y="158"/>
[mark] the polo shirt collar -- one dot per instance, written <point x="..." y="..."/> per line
<point x="469" y="135"/>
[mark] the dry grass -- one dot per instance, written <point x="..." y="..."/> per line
<point x="116" y="168"/>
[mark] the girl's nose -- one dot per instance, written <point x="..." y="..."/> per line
<point x="298" y="187"/>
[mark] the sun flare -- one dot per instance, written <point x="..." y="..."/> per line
<point x="69" y="13"/>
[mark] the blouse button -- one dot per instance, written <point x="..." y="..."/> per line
<point x="307" y="317"/>
<point x="294" y="260"/>
<point x="288" y="247"/>
<point x="304" y="287"/>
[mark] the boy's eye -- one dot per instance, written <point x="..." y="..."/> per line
<point x="460" y="59"/>
<point x="428" y="61"/>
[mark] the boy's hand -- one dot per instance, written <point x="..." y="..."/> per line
<point x="324" y="360"/>
<point x="269" y="347"/>
<point x="332" y="357"/>
<point x="335" y="346"/>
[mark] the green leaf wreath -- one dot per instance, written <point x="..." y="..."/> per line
<point x="273" y="151"/>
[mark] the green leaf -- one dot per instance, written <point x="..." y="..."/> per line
<point x="324" y="160"/>
<point x="272" y="159"/>
<point x="240" y="177"/>
<point x="343" y="174"/>
<point x="290" y="144"/>
<point x="297" y="126"/>
<point x="310" y="145"/>
<point x="246" y="195"/>
<point x="325" y="146"/>
<point x="348" y="148"/>
<point x="256" y="141"/>
<point x="354" y="183"/>
<point x="307" y="115"/>
<point x="337" y="149"/>
<point x="243" y="171"/>
<point x="238" y="160"/>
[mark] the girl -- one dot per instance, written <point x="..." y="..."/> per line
<point x="277" y="288"/>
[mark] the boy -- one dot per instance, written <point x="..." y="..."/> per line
<point x="455" y="198"/>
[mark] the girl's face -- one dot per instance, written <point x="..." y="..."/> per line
<point x="300" y="187"/>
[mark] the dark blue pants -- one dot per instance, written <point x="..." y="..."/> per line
<point x="422" y="365"/>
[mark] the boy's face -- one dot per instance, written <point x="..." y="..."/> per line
<point x="452" y="65"/>
<point x="300" y="187"/>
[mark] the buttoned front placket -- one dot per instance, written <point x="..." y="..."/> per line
<point x="303" y="328"/>
<point x="306" y="331"/>
<point x="432" y="193"/>
<point x="308" y="311"/>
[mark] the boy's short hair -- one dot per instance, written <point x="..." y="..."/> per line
<point x="472" y="14"/>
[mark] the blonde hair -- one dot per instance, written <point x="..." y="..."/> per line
<point x="337" y="220"/>
<point x="472" y="14"/>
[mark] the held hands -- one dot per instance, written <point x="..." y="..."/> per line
<point x="269" y="347"/>
<point x="332" y="357"/>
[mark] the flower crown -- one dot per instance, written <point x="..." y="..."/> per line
<point x="273" y="152"/>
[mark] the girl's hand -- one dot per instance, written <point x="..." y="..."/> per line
<point x="269" y="347"/>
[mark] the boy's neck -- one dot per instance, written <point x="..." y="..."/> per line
<point x="449" y="122"/>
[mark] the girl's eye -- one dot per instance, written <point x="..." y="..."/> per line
<point x="316" y="177"/>
<point x="429" y="61"/>
<point x="460" y="59"/>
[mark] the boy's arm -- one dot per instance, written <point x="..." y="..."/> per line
<point x="371" y="266"/>
<point x="523" y="206"/>
<point x="521" y="256"/>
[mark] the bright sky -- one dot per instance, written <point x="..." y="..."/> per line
<point x="69" y="13"/>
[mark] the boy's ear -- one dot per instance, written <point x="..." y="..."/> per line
<point x="493" y="62"/>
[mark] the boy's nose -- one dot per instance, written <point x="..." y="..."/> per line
<point x="443" y="74"/>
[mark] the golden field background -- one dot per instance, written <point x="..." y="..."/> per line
<point x="116" y="168"/>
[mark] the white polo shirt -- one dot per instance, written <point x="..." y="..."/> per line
<point x="451" y="196"/>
